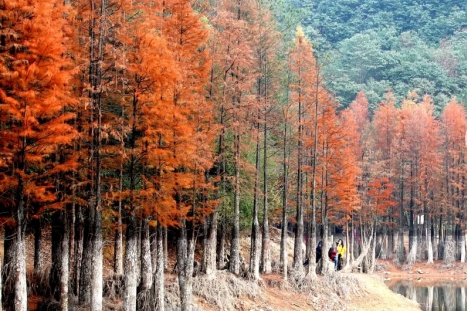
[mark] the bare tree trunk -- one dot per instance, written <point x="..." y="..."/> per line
<point x="210" y="245"/>
<point x="166" y="249"/>
<point x="64" y="269"/>
<point x="265" y="251"/>
<point x="153" y="246"/>
<point x="118" y="248"/>
<point x="462" y="243"/>
<point x="38" y="258"/>
<point x="86" y="264"/>
<point x="78" y="254"/>
<point x="347" y="243"/>
<point x="9" y="268"/>
<point x="71" y="219"/>
<point x="352" y="241"/>
<point x="362" y="255"/>
<point x="449" y="250"/>
<point x="1" y="284"/>
<point x="21" y="296"/>
<point x="429" y="240"/>
<point x="221" y="246"/>
<point x="145" y="297"/>
<point x="131" y="266"/>
<point x="255" y="247"/>
<point x="97" y="261"/>
<point x="412" y="257"/>
<point x="55" y="271"/>
<point x="234" y="266"/>
<point x="312" y="233"/>
<point x="146" y="264"/>
<point x="159" y="275"/>
<point x="298" y="243"/>
<point x="185" y="259"/>
<point x="371" y="268"/>
<point x="284" y="223"/>
<point x="391" y="243"/>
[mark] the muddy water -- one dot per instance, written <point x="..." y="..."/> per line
<point x="433" y="296"/>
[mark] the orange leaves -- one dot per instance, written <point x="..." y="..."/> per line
<point x="34" y="96"/>
<point x="380" y="191"/>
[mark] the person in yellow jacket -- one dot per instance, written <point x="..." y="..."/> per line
<point x="341" y="250"/>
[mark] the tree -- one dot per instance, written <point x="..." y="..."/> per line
<point x="302" y="64"/>
<point x="453" y="125"/>
<point x="35" y="104"/>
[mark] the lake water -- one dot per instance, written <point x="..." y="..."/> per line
<point x="433" y="295"/>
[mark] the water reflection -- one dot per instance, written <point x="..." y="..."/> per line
<point x="437" y="296"/>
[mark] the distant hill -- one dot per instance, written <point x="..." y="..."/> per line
<point x="398" y="44"/>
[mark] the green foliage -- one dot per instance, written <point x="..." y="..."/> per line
<point x="401" y="45"/>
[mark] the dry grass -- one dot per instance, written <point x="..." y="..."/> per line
<point x="113" y="286"/>
<point x="228" y="288"/>
<point x="328" y="290"/>
<point x="381" y="266"/>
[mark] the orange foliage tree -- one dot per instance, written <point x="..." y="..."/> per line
<point x="34" y="105"/>
<point x="453" y="128"/>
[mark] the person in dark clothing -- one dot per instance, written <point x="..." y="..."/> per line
<point x="332" y="253"/>
<point x="319" y="251"/>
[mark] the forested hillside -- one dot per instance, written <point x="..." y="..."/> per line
<point x="403" y="45"/>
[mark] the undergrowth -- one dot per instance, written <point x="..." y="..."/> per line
<point x="226" y="290"/>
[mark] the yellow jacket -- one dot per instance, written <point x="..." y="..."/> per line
<point x="341" y="250"/>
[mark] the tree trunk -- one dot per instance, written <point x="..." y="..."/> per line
<point x="97" y="263"/>
<point x="54" y="279"/>
<point x="462" y="244"/>
<point x="166" y="249"/>
<point x="145" y="296"/>
<point x="373" y="254"/>
<point x="118" y="248"/>
<point x="38" y="258"/>
<point x="212" y="262"/>
<point x="153" y="245"/>
<point x="9" y="261"/>
<point x="185" y="259"/>
<point x="86" y="263"/>
<point x="412" y="257"/>
<point x="234" y="266"/>
<point x="312" y="233"/>
<point x="21" y="296"/>
<point x="71" y="222"/>
<point x="362" y="255"/>
<point x="210" y="246"/>
<point x="255" y="247"/>
<point x="64" y="268"/>
<point x="429" y="239"/>
<point x="146" y="264"/>
<point x="298" y="243"/>
<point x="390" y="252"/>
<point x="221" y="247"/>
<point x="1" y="284"/>
<point x="284" y="221"/>
<point x="78" y="251"/>
<point x="449" y="250"/>
<point x="159" y="275"/>
<point x="265" y="251"/>
<point x="131" y="258"/>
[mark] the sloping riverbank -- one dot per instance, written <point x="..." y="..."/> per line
<point x="337" y="292"/>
